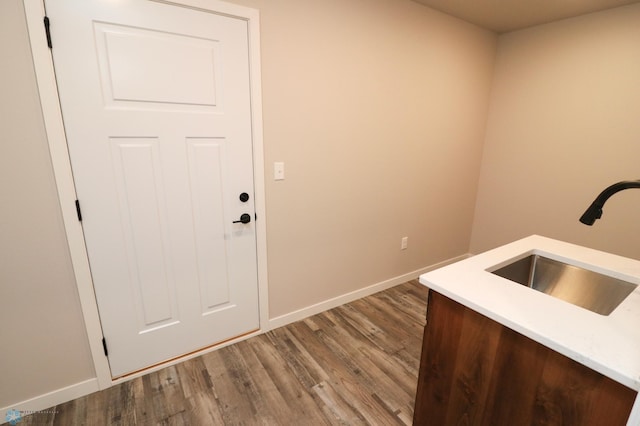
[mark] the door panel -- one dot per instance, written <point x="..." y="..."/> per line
<point x="207" y="172"/>
<point x="183" y="68"/>
<point x="143" y="213"/>
<point x="156" y="106"/>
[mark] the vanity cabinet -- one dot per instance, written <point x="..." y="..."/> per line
<point x="475" y="371"/>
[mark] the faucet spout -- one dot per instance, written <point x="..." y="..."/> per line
<point x="595" y="209"/>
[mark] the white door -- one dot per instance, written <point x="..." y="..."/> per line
<point x="156" y="107"/>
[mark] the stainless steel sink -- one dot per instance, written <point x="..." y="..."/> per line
<point x="588" y="289"/>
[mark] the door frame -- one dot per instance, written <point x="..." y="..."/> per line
<point x="54" y="129"/>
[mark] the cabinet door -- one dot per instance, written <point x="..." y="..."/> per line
<point x="474" y="371"/>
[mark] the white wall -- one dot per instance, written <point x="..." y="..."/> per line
<point x="564" y="123"/>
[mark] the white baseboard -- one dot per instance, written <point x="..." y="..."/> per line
<point x="354" y="295"/>
<point x="48" y="400"/>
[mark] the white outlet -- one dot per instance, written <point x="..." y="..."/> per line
<point x="403" y="243"/>
<point x="278" y="171"/>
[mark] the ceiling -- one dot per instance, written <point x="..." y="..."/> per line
<point x="509" y="15"/>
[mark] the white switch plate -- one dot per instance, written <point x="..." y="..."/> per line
<point x="278" y="171"/>
<point x="403" y="243"/>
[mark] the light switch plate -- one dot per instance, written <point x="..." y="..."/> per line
<point x="404" y="243"/>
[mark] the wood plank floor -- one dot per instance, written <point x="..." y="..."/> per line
<point x="353" y="365"/>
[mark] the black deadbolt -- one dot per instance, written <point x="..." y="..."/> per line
<point x="244" y="197"/>
<point x="244" y="218"/>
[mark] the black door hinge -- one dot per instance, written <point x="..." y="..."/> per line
<point x="104" y="346"/>
<point x="47" y="24"/>
<point x="78" y="210"/>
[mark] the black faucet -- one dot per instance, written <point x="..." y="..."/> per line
<point x="595" y="209"/>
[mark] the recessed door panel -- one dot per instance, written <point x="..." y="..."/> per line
<point x="207" y="167"/>
<point x="143" y="212"/>
<point x="157" y="67"/>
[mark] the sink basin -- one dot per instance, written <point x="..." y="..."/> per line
<point x="591" y="290"/>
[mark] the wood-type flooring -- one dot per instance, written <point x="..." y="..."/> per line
<point x="356" y="364"/>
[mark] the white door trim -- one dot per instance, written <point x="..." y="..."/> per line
<point x="54" y="128"/>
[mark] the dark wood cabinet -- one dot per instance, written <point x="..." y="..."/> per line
<point x="474" y="371"/>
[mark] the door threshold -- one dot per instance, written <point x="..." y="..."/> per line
<point x="181" y="358"/>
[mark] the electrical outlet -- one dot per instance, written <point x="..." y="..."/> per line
<point x="403" y="243"/>
<point x="278" y="171"/>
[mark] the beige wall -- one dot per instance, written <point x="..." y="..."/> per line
<point x="564" y="123"/>
<point x="43" y="339"/>
<point x="377" y="108"/>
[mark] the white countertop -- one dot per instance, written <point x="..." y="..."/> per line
<point x="608" y="344"/>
